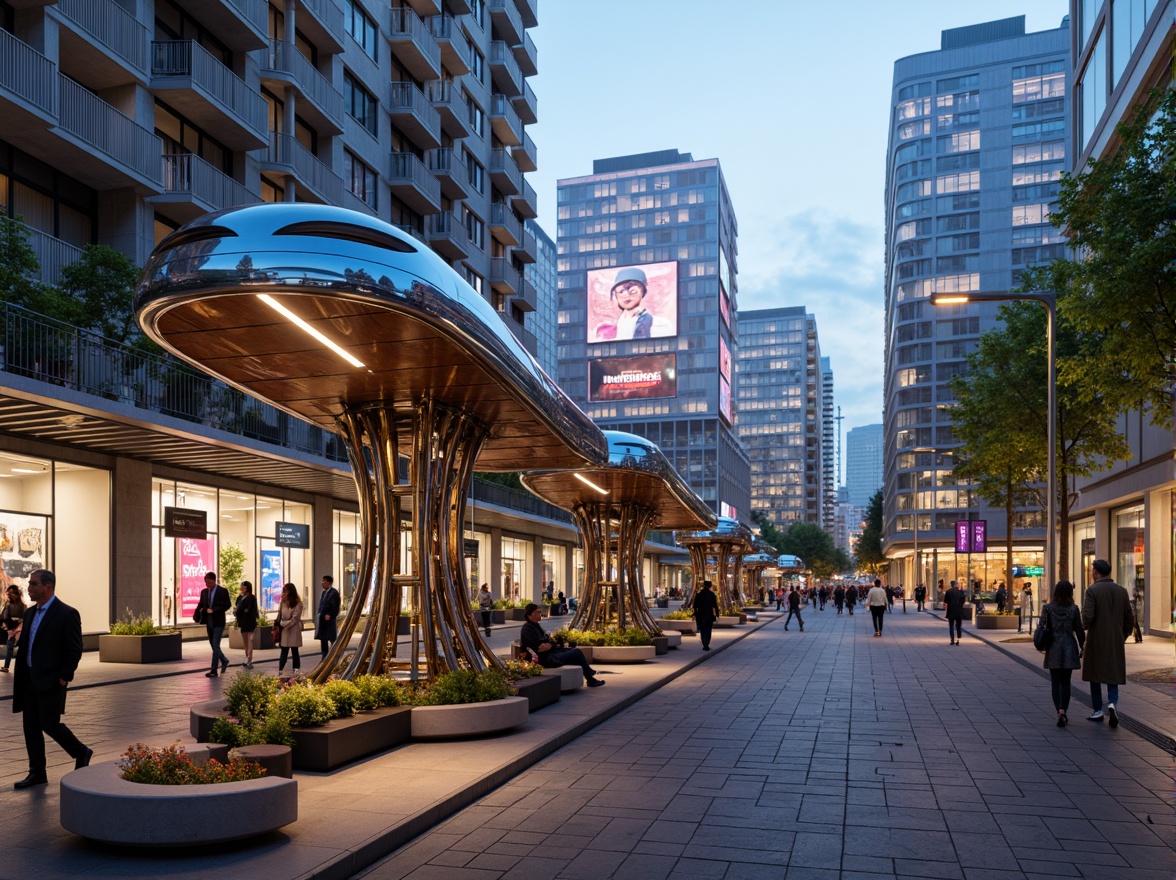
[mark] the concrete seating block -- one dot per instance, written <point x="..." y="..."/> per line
<point x="469" y="719"/>
<point x="540" y="691"/>
<point x="623" y="654"/>
<point x="571" y="678"/>
<point x="686" y="627"/>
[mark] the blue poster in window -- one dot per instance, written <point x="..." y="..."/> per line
<point x="271" y="579"/>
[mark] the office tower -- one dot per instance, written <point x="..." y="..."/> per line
<point x="647" y="298"/>
<point x="782" y="413"/>
<point x="543" y="275"/>
<point x="1126" y="514"/>
<point x="978" y="142"/>
<point x="863" y="464"/>
<point x="828" y="450"/>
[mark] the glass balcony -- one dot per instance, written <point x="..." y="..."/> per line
<point x="508" y="24"/>
<point x="526" y="203"/>
<point x="527" y="56"/>
<point x="505" y="278"/>
<point x="527" y="105"/>
<point x="504" y="225"/>
<point x="525" y="154"/>
<point x="454" y="53"/>
<point x="447" y="167"/>
<point x="447" y="236"/>
<point x="504" y="119"/>
<point x="504" y="70"/>
<point x="451" y="106"/>
<point x="504" y="172"/>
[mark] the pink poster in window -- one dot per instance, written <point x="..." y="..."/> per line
<point x="197" y="557"/>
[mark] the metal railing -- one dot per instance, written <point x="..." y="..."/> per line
<point x="529" y="102"/>
<point x="405" y="97"/>
<point x="253" y="11"/>
<point x="500" y="216"/>
<point x="327" y="12"/>
<point x="485" y="492"/>
<point x="405" y="167"/>
<point x="444" y="161"/>
<point x="501" y="162"/>
<point x="502" y="272"/>
<point x="404" y="24"/>
<point x="531" y="53"/>
<point x="502" y="58"/>
<point x="508" y="10"/>
<point x="27" y="73"/>
<point x="447" y="32"/>
<point x="111" y="26"/>
<point x="188" y="173"/>
<point x="188" y="58"/>
<point x="52" y="253"/>
<point x="502" y="108"/>
<point x="285" y="58"/>
<point x="309" y="169"/>
<point x="84" y="114"/>
<point x="446" y="93"/>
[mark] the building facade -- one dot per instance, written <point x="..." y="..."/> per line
<point x="829" y="461"/>
<point x="544" y="275"/>
<point x="979" y="138"/>
<point x="647" y="320"/>
<point x="1126" y="515"/>
<point x="783" y="415"/>
<point x="863" y="464"/>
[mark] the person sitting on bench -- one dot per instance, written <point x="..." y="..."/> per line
<point x="543" y="651"/>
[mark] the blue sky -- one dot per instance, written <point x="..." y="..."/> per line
<point x="793" y="98"/>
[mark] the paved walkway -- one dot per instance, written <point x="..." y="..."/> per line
<point x="832" y="754"/>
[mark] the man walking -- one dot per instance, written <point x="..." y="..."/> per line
<point x="1106" y="615"/>
<point x="706" y="609"/>
<point x="47" y="656"/>
<point x="920" y="597"/>
<point x="850" y="598"/>
<point x="328" y="614"/>
<point x="953" y="603"/>
<point x="214" y="602"/>
<point x="876" y="599"/>
<point x="794" y="609"/>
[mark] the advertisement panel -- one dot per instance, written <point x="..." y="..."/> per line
<point x="971" y="536"/>
<point x="271" y="579"/>
<point x="724" y="359"/>
<point x="725" y="401"/>
<point x="724" y="306"/>
<point x="633" y="302"/>
<point x="980" y="536"/>
<point x="633" y="378"/>
<point x="22" y="546"/>
<point x="295" y="535"/>
<point x="197" y="556"/>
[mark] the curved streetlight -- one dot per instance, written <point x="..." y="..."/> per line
<point x="1049" y="300"/>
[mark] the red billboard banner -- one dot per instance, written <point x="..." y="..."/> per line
<point x="633" y="378"/>
<point x="633" y="302"/>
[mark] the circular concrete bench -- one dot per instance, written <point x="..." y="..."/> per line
<point x="96" y="802"/>
<point x="622" y="654"/>
<point x="724" y="622"/>
<point x="469" y="719"/>
<point x="685" y="627"/>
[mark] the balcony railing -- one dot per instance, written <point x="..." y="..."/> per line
<point x="27" y="73"/>
<point x="527" y="56"/>
<point x="527" y="104"/>
<point x="505" y="277"/>
<point x="414" y="184"/>
<point x="111" y="26"/>
<point x="285" y="58"/>
<point x="507" y="20"/>
<point x="414" y="45"/>
<point x="502" y="218"/>
<point x="504" y="119"/>
<point x="485" y="492"/>
<point x="329" y="14"/>
<point x="454" y="52"/>
<point x="188" y="58"/>
<point x="188" y="173"/>
<point x="505" y="69"/>
<point x="309" y="170"/>
<point x="504" y="167"/>
<point x="255" y="12"/>
<point x="119" y="137"/>
<point x="52" y="253"/>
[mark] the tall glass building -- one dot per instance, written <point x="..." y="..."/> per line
<point x="647" y="322"/>
<point x="542" y="276"/>
<point x="863" y="464"/>
<point x="979" y="136"/>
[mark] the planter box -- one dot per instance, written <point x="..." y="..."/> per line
<point x="571" y="678"/>
<point x="158" y="648"/>
<point x="686" y="627"/>
<point x="514" y="614"/>
<point x="996" y="621"/>
<point x="96" y="802"/>
<point x="623" y="654"/>
<point x="723" y="622"/>
<point x="541" y="690"/>
<point x="661" y="645"/>
<point x="673" y="640"/>
<point x="469" y="720"/>
<point x="403" y="625"/>
<point x="263" y="638"/>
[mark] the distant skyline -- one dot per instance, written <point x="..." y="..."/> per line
<point x="793" y="99"/>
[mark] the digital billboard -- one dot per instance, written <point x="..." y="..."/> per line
<point x="633" y="378"/>
<point x="633" y="302"/>
<point x="725" y="401"/>
<point x="724" y="359"/>
<point x="724" y="306"/>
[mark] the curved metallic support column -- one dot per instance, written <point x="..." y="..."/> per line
<point x="628" y="607"/>
<point x="632" y="609"/>
<point x="592" y="521"/>
<point x="697" y="571"/>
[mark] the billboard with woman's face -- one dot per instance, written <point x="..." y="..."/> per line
<point x="633" y="302"/>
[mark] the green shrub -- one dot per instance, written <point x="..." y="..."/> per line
<point x="251" y="695"/>
<point x="633" y="636"/>
<point x="134" y="625"/>
<point x="275" y="731"/>
<point x="517" y="670"/>
<point x="610" y="637"/>
<point x="344" y="695"/>
<point x="377" y="691"/>
<point x="304" y="706"/>
<point x="682" y="614"/>
<point x="466" y="686"/>
<point x="730" y="611"/>
<point x="503" y="604"/>
<point x="230" y="732"/>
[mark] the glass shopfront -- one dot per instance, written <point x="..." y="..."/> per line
<point x="1081" y="555"/>
<point x="1129" y="570"/>
<point x="516" y="569"/>
<point x="477" y="562"/>
<point x="553" y="567"/>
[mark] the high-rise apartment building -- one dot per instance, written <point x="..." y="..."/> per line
<point x="544" y="276"/>
<point x="125" y="120"/>
<point x="828" y="450"/>
<point x="978" y="142"/>
<point x="863" y="464"/>
<point x="782" y="413"/>
<point x="647" y="321"/>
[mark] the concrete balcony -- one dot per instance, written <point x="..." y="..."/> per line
<point x="425" y="8"/>
<point x="504" y="119"/>
<point x="527" y="105"/>
<point x="458" y="7"/>
<point x="447" y="167"/>
<point x="322" y="23"/>
<point x="504" y="173"/>
<point x="526" y="251"/>
<point x="508" y="24"/>
<point x="447" y="236"/>
<point x="504" y="70"/>
<point x="521" y="333"/>
<point x="287" y="160"/>
<point x="505" y="278"/>
<point x="53" y="254"/>
<point x="28" y="91"/>
<point x="192" y="187"/>
<point x="529" y="12"/>
<point x="101" y="43"/>
<point x="526" y="203"/>
<point x="505" y="226"/>
<point x="414" y="184"/>
<point x="451" y="107"/>
<point x="413" y="115"/>
<point x="446" y="30"/>
<point x="240" y="24"/>
<point x="526" y="155"/>
<point x="528" y="298"/>
<point x="201" y="88"/>
<point x="106" y="149"/>
<point x="413" y="45"/>
<point x="319" y="102"/>
<point x="527" y="56"/>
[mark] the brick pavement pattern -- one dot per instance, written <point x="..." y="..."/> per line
<point x="828" y="754"/>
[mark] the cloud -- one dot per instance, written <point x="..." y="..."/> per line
<point x="832" y="266"/>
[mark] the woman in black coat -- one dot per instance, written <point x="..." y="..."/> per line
<point x="1064" y="653"/>
<point x="247" y="615"/>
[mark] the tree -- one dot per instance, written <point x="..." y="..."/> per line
<point x="100" y="287"/>
<point x="768" y="530"/>
<point x="19" y="266"/>
<point x="869" y="547"/>
<point x="1120" y="215"/>
<point x="813" y="545"/>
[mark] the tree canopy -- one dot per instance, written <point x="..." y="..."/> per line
<point x="869" y="553"/>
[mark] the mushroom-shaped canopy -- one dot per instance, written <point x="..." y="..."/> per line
<point x="790" y="563"/>
<point x="758" y="560"/>
<point x="315" y="308"/>
<point x="728" y="530"/>
<point x="762" y="546"/>
<point x="637" y="472"/>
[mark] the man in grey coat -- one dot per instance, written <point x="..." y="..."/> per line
<point x="1106" y="615"/>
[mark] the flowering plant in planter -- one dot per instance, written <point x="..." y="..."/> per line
<point x="517" y="670"/>
<point x="682" y="614"/>
<point x="612" y="637"/>
<point x="173" y="766"/>
<point x="463" y="686"/>
<point x="132" y="624"/>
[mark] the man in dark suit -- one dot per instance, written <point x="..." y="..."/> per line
<point x="706" y="611"/>
<point x="214" y="602"/>
<point x="328" y="614"/>
<point x="47" y="656"/>
<point x="1106" y="616"/>
<point x="953" y="604"/>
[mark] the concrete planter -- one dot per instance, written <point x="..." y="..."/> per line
<point x="498" y="615"/>
<point x="469" y="719"/>
<point x="996" y="621"/>
<point x="541" y="690"/>
<point x="159" y="648"/>
<point x="97" y="803"/>
<point x="571" y="678"/>
<point x="623" y="654"/>
<point x="723" y="622"/>
<point x="686" y="627"/>
<point x="263" y="638"/>
<point x="515" y="614"/>
<point x="661" y="645"/>
<point x="673" y="640"/>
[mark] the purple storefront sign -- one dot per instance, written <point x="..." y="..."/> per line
<point x="963" y="533"/>
<point x="980" y="536"/>
<point x="971" y="536"/>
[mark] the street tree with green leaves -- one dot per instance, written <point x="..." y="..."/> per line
<point x="868" y="554"/>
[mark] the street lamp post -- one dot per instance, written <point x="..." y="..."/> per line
<point x="1049" y="301"/>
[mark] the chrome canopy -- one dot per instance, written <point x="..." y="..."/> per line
<point x="727" y="531"/>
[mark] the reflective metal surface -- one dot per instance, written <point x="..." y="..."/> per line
<point x="614" y="506"/>
<point x="347" y="322"/>
<point x="726" y="544"/>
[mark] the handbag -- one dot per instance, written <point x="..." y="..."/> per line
<point x="276" y="634"/>
<point x="1043" y="635"/>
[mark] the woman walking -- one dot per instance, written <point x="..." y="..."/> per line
<point x="290" y="621"/>
<point x="246" y="614"/>
<point x="12" y="617"/>
<point x="1064" y="654"/>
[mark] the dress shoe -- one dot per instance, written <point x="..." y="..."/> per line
<point x="595" y="683"/>
<point x="31" y="780"/>
<point x="224" y="666"/>
<point x="1112" y="715"/>
<point x="83" y="760"/>
<point x="1095" y="716"/>
<point x="210" y="674"/>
